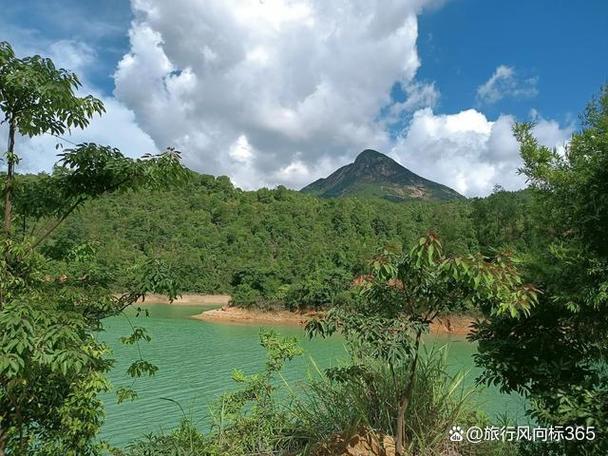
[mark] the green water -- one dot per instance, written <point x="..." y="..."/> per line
<point x="196" y="358"/>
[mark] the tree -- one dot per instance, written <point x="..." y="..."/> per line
<point x="557" y="355"/>
<point x="405" y="294"/>
<point x="37" y="98"/>
<point x="503" y="220"/>
<point x="248" y="420"/>
<point x="52" y="367"/>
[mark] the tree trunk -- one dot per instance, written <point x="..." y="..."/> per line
<point x="3" y="434"/>
<point x="10" y="177"/>
<point x="405" y="400"/>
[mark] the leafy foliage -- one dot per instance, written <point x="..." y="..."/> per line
<point x="367" y="397"/>
<point x="52" y="367"/>
<point x="38" y="97"/>
<point x="248" y="421"/>
<point x="405" y="294"/>
<point x="186" y="440"/>
<point x="557" y="353"/>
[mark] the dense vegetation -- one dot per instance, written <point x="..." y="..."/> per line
<point x="102" y="230"/>
<point x="273" y="246"/>
<point x="52" y="367"/>
<point x="557" y="355"/>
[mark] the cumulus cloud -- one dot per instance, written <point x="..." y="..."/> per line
<point x="469" y="152"/>
<point x="284" y="91"/>
<point x="505" y="82"/>
<point x="300" y="82"/>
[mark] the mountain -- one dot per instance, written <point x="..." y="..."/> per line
<point x="374" y="174"/>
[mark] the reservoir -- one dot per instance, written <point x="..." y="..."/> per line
<point x="196" y="358"/>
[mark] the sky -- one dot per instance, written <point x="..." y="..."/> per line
<point x="282" y="92"/>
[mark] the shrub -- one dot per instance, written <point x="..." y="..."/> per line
<point x="365" y="395"/>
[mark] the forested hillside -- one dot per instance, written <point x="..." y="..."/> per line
<point x="276" y="246"/>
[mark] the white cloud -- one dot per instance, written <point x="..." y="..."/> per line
<point x="284" y="91"/>
<point x="117" y="128"/>
<point x="467" y="151"/>
<point x="302" y="80"/>
<point x="418" y="95"/>
<point x="73" y="55"/>
<point x="506" y="83"/>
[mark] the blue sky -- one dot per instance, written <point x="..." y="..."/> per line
<point x="103" y="25"/>
<point x="283" y="91"/>
<point x="562" y="43"/>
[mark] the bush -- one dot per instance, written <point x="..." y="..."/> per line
<point x="247" y="421"/>
<point x="365" y="395"/>
<point x="317" y="290"/>
<point x="184" y="441"/>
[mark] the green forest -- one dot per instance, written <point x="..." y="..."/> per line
<point x="275" y="247"/>
<point x="103" y="230"/>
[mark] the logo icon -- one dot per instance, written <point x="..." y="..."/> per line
<point x="456" y="434"/>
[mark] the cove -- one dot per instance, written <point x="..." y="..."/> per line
<point x="196" y="358"/>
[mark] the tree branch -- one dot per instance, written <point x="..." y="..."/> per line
<point x="10" y="177"/>
<point x="55" y="225"/>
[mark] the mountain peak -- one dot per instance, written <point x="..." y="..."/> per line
<point x="375" y="174"/>
<point x="369" y="154"/>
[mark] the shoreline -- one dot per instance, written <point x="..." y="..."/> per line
<point x="187" y="299"/>
<point x="235" y="315"/>
<point x="223" y="313"/>
<point x="452" y="325"/>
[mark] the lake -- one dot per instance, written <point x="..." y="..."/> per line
<point x="196" y="359"/>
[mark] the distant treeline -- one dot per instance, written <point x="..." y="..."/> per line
<point x="278" y="247"/>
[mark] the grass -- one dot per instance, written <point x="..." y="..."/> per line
<point x="367" y="398"/>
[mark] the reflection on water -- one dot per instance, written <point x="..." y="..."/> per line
<point x="196" y="359"/>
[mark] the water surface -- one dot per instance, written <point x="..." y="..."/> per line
<point x="196" y="359"/>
